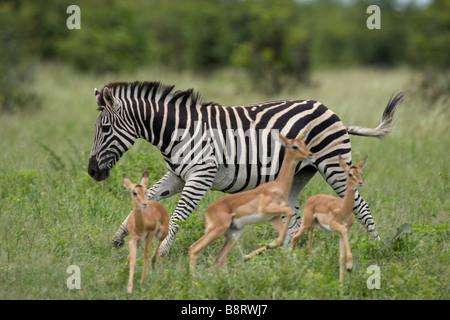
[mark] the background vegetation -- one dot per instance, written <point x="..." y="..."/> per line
<point x="278" y="43"/>
<point x="54" y="215"/>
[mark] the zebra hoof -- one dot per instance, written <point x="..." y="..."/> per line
<point x="162" y="252"/>
<point x="117" y="244"/>
<point x="373" y="236"/>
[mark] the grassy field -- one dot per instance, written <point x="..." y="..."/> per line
<point x="53" y="215"/>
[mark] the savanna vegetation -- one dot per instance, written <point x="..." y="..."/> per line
<point x="54" y="215"/>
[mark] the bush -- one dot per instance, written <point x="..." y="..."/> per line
<point x="109" y="40"/>
<point x="16" y="62"/>
<point x="276" y="42"/>
<point x="275" y="49"/>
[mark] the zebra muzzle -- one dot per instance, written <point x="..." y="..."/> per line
<point x="95" y="171"/>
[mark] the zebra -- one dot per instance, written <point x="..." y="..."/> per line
<point x="207" y="146"/>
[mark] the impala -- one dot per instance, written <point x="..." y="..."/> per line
<point x="333" y="214"/>
<point x="267" y="202"/>
<point x="148" y="219"/>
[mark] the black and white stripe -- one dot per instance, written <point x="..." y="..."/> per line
<point x="228" y="148"/>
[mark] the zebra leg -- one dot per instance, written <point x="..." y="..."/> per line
<point x="362" y="213"/>
<point x="300" y="180"/>
<point x="167" y="186"/>
<point x="195" y="188"/>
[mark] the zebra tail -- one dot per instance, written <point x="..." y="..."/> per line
<point x="386" y="124"/>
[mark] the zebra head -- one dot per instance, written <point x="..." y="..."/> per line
<point x="112" y="138"/>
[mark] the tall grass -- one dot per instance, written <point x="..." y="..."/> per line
<point x="54" y="215"/>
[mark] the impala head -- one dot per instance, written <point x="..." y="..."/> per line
<point x="112" y="136"/>
<point x="353" y="173"/>
<point x="297" y="147"/>
<point x="137" y="191"/>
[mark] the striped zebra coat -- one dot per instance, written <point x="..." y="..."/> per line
<point x="227" y="148"/>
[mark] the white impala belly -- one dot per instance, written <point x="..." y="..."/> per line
<point x="252" y="219"/>
<point x="322" y="221"/>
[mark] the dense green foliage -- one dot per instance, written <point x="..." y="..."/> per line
<point x="54" y="215"/>
<point x="277" y="42"/>
<point x="201" y="34"/>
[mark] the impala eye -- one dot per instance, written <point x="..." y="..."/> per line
<point x="295" y="147"/>
<point x="135" y="193"/>
<point x="350" y="175"/>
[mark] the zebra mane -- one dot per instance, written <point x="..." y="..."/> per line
<point x="156" y="87"/>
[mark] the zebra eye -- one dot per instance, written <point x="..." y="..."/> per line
<point x="105" y="128"/>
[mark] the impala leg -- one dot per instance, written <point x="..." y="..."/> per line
<point x="345" y="246"/>
<point x="344" y="250"/>
<point x="308" y="219"/>
<point x="155" y="254"/>
<point x="132" y="259"/>
<point x="276" y="243"/>
<point x="279" y="226"/>
<point x="341" y="260"/>
<point x="212" y="234"/>
<point x="310" y="239"/>
<point x="348" y="252"/>
<point x="146" y="252"/>
<point x="231" y="237"/>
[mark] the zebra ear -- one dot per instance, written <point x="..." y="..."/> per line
<point x="97" y="97"/>
<point x="108" y="97"/>
<point x="111" y="102"/>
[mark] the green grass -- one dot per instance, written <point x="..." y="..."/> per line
<point x="54" y="215"/>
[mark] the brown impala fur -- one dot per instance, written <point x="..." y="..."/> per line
<point x="335" y="214"/>
<point x="148" y="219"/>
<point x="267" y="202"/>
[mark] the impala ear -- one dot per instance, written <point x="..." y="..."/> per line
<point x="302" y="136"/>
<point x="127" y="183"/>
<point x="284" y="141"/>
<point x="144" y="179"/>
<point x="343" y="164"/>
<point x="111" y="102"/>
<point x="362" y="163"/>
